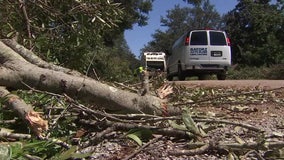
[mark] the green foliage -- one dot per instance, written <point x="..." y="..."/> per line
<point x="135" y="11"/>
<point x="37" y="148"/>
<point x="114" y="63"/>
<point x="190" y="124"/>
<point x="71" y="153"/>
<point x="42" y="148"/>
<point x="247" y="72"/>
<point x="274" y="72"/>
<point x="69" y="33"/>
<point x="6" y="114"/>
<point x="135" y="138"/>
<point x="255" y="28"/>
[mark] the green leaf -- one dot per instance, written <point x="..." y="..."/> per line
<point x="239" y="140"/>
<point x="190" y="124"/>
<point x="143" y="134"/>
<point x="71" y="153"/>
<point x="177" y="126"/>
<point x="135" y="138"/>
<point x="139" y="134"/>
<point x="16" y="149"/>
<point x="81" y="155"/>
<point x="36" y="144"/>
<point x="10" y="34"/>
<point x="4" y="99"/>
<point x="232" y="156"/>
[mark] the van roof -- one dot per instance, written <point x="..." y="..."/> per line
<point x="206" y="30"/>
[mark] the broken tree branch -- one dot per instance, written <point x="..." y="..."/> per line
<point x="247" y="126"/>
<point x="127" y="126"/>
<point x="15" y="69"/>
<point x="25" y="112"/>
<point x="34" y="59"/>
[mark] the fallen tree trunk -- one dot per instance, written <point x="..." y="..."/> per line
<point x="17" y="72"/>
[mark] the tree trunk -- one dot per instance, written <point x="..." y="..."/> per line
<point x="16" y="72"/>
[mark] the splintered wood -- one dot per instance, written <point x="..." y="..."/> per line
<point x="38" y="125"/>
<point x="164" y="91"/>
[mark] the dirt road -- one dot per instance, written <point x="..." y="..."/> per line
<point x="265" y="84"/>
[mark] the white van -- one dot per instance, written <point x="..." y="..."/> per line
<point x="199" y="53"/>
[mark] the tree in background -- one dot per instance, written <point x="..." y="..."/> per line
<point x="194" y="2"/>
<point x="115" y="63"/>
<point x="78" y="34"/>
<point x="256" y="31"/>
<point x="179" y="20"/>
<point x="69" y="33"/>
<point x="60" y="31"/>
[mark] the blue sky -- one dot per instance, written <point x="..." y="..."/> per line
<point x="140" y="36"/>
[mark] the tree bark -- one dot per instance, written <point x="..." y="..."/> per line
<point x="25" y="112"/>
<point x="34" y="59"/>
<point x="16" y="72"/>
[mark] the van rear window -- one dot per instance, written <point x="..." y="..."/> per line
<point x="198" y="38"/>
<point x="217" y="38"/>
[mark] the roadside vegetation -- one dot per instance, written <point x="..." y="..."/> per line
<point x="274" y="72"/>
<point x="87" y="36"/>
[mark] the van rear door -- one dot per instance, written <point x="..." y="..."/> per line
<point x="219" y="49"/>
<point x="198" y="51"/>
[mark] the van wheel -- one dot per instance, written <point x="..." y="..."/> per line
<point x="181" y="75"/>
<point x="221" y="76"/>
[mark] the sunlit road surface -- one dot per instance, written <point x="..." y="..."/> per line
<point x="263" y="84"/>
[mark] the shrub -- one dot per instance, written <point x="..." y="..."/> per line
<point x="275" y="72"/>
<point x="246" y="72"/>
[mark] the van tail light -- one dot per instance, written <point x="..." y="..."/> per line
<point x="228" y="41"/>
<point x="186" y="41"/>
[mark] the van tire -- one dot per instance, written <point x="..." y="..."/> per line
<point x="221" y="76"/>
<point x="181" y="75"/>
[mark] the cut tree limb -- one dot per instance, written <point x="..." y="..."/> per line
<point x="15" y="103"/>
<point x="16" y="71"/>
<point x="25" y="112"/>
